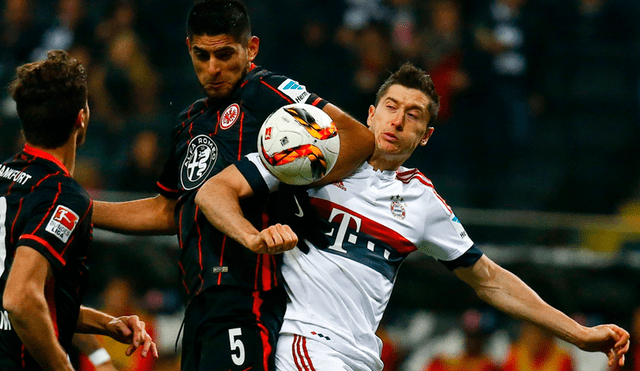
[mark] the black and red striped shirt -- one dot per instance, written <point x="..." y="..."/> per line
<point x="43" y="208"/>
<point x="211" y="135"/>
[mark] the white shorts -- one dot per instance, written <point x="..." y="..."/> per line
<point x="299" y="353"/>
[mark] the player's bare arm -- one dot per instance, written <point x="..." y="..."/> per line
<point x="219" y="200"/>
<point x="356" y="144"/>
<point x="506" y="292"/>
<point x="26" y="304"/>
<point x="125" y="329"/>
<point x="148" y="216"/>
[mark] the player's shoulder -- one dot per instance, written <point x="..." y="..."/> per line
<point x="192" y="110"/>
<point x="58" y="189"/>
<point x="280" y="88"/>
<point x="414" y="177"/>
<point x="70" y="188"/>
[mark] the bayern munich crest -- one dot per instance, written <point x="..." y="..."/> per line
<point x="397" y="207"/>
<point x="229" y="116"/>
<point x="202" y="155"/>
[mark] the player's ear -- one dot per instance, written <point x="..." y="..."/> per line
<point x="80" y="119"/>
<point x="188" y="42"/>
<point x="372" y="110"/>
<point x="83" y="116"/>
<point x="253" y="45"/>
<point x="426" y="136"/>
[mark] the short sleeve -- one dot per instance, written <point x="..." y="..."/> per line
<point x="57" y="219"/>
<point x="291" y="91"/>
<point x="444" y="237"/>
<point x="262" y="182"/>
<point x="167" y="184"/>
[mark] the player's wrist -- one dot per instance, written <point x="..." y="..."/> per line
<point x="99" y="357"/>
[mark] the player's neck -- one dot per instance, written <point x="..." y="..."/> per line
<point x="66" y="154"/>
<point x="384" y="162"/>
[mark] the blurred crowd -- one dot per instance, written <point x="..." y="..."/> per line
<point x="539" y="97"/>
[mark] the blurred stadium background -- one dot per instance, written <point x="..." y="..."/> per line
<point x="537" y="146"/>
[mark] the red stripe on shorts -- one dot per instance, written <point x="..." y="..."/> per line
<point x="264" y="333"/>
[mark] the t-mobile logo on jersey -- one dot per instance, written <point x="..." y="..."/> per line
<point x="361" y="240"/>
<point x="342" y="229"/>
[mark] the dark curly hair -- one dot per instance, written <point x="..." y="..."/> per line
<point x="219" y="17"/>
<point x="49" y="94"/>
<point x="413" y="77"/>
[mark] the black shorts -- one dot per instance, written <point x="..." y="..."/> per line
<point x="229" y="328"/>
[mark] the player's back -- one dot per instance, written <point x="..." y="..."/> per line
<point x="43" y="208"/>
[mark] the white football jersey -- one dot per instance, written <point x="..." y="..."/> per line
<point x="339" y="293"/>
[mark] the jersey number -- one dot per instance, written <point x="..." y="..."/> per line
<point x="3" y="233"/>
<point x="238" y="359"/>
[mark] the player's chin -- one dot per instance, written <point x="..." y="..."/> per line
<point x="217" y="92"/>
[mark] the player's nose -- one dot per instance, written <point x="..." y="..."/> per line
<point x="397" y="120"/>
<point x="213" y="66"/>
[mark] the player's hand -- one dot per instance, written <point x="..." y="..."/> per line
<point x="275" y="239"/>
<point x="609" y="339"/>
<point x="131" y="330"/>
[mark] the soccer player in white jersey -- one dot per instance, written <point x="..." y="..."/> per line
<point x="339" y="289"/>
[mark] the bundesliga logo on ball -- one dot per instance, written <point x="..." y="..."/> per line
<point x="299" y="143"/>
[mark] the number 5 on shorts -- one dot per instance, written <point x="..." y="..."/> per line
<point x="234" y="343"/>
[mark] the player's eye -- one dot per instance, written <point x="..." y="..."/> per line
<point x="202" y="56"/>
<point x="224" y="55"/>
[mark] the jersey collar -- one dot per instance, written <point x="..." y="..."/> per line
<point x="45" y="155"/>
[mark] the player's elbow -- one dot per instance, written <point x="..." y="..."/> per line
<point x="200" y="198"/>
<point x="17" y="301"/>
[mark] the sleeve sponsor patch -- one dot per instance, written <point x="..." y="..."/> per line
<point x="457" y="225"/>
<point x="62" y="223"/>
<point x="294" y="90"/>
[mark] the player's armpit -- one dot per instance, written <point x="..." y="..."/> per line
<point x="356" y="144"/>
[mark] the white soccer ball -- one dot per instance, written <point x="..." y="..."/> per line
<point x="299" y="143"/>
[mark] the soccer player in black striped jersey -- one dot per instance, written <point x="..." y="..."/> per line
<point x="45" y="226"/>
<point x="235" y="296"/>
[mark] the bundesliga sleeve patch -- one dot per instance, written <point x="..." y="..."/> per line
<point x="62" y="223"/>
<point x="294" y="90"/>
<point x="202" y="155"/>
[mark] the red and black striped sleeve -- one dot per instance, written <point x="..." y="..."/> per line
<point x="59" y="219"/>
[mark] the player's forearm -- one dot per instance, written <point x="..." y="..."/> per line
<point x="508" y="293"/>
<point x="30" y="319"/>
<point x="356" y="144"/>
<point x="149" y="216"/>
<point x="220" y="203"/>
<point x="92" y="321"/>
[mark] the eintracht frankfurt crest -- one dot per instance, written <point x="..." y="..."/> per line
<point x="397" y="207"/>
<point x="229" y="116"/>
<point x="201" y="157"/>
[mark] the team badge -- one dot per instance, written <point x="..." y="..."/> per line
<point x="397" y="207"/>
<point x="202" y="155"/>
<point x="62" y="223"/>
<point x="229" y="116"/>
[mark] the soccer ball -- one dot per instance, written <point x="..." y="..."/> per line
<point x="299" y="143"/>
